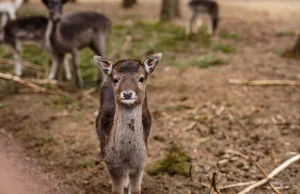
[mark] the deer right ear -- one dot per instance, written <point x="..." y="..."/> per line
<point x="104" y="64"/>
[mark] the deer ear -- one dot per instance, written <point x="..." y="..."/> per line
<point x="151" y="62"/>
<point x="104" y="64"/>
<point x="64" y="1"/>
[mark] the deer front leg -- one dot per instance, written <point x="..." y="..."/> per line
<point x="18" y="60"/>
<point x="67" y="68"/>
<point x="77" y="69"/>
<point x="118" y="180"/>
<point x="53" y="69"/>
<point x="3" y="20"/>
<point x="136" y="181"/>
<point x="190" y="23"/>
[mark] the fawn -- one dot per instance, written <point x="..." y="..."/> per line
<point x="75" y="31"/>
<point x="9" y="8"/>
<point x="124" y="122"/>
<point x="203" y="7"/>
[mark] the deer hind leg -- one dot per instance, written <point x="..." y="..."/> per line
<point x="75" y="59"/>
<point x="136" y="181"/>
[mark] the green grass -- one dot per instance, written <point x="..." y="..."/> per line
<point x="86" y="163"/>
<point x="176" y="161"/>
<point x="205" y="61"/>
<point x="225" y="48"/>
<point x="229" y="35"/>
<point x="281" y="33"/>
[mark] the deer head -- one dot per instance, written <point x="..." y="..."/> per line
<point x="54" y="7"/>
<point x="129" y="78"/>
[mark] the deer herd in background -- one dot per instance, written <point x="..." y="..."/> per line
<point x="124" y="121"/>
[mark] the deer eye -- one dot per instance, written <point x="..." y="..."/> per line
<point x="141" y="79"/>
<point x="115" y="81"/>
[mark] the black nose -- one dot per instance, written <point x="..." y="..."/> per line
<point x="127" y="95"/>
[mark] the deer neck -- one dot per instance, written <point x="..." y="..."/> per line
<point x="18" y="3"/>
<point x="128" y="125"/>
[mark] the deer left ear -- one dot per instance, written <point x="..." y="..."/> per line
<point x="64" y="1"/>
<point x="104" y="64"/>
<point x="151" y="62"/>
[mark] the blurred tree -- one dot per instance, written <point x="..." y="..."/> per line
<point x="295" y="51"/>
<point x="129" y="3"/>
<point x="169" y="10"/>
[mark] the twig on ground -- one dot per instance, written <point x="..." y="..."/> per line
<point x="237" y="153"/>
<point x="262" y="171"/>
<point x="25" y="83"/>
<point x="25" y="63"/>
<point x="264" y="82"/>
<point x="214" y="182"/>
<point x="272" y="174"/>
<point x="42" y="81"/>
<point x="237" y="185"/>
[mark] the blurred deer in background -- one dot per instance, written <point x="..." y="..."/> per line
<point x="8" y="8"/>
<point x="211" y="8"/>
<point x="58" y="35"/>
<point x="72" y="32"/>
<point x="124" y="122"/>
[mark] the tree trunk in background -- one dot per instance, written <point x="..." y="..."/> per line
<point x="128" y="3"/>
<point x="296" y="48"/>
<point x="169" y="10"/>
<point x="295" y="51"/>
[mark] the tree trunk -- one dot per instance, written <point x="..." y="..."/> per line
<point x="129" y="3"/>
<point x="169" y="10"/>
<point x="296" y="48"/>
<point x="295" y="51"/>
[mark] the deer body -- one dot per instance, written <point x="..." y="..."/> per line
<point x="124" y="122"/>
<point x="9" y="8"/>
<point x="67" y="35"/>
<point x="77" y="31"/>
<point x="208" y="7"/>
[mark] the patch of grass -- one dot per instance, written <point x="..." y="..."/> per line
<point x="203" y="62"/>
<point x="174" y="108"/>
<point x="176" y="161"/>
<point x="229" y="35"/>
<point x="210" y="60"/>
<point x="280" y="33"/>
<point x="225" y="48"/>
<point x="2" y="105"/>
<point x="48" y="139"/>
<point x="86" y="163"/>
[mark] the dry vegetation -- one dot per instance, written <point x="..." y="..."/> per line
<point x="200" y="119"/>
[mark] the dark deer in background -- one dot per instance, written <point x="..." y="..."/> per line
<point x="124" y="121"/>
<point x="72" y="32"/>
<point x="211" y="8"/>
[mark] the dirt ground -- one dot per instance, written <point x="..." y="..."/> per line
<point x="196" y="109"/>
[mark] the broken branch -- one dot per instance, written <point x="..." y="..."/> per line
<point x="264" y="82"/>
<point x="272" y="174"/>
<point x="25" y="83"/>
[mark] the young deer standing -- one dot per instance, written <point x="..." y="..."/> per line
<point x="72" y="32"/>
<point x="124" y="122"/>
<point x="9" y="8"/>
<point x="203" y="7"/>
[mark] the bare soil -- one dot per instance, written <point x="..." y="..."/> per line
<point x="59" y="134"/>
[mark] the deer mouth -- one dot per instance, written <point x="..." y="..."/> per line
<point x="128" y="100"/>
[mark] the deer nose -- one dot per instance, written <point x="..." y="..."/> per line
<point x="127" y="94"/>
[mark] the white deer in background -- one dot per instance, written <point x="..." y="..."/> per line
<point x="8" y="8"/>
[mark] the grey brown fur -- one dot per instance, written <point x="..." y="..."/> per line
<point x="209" y="7"/>
<point x="123" y="128"/>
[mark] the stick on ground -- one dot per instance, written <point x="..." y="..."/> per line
<point x="25" y="83"/>
<point x="272" y="174"/>
<point x="264" y="82"/>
